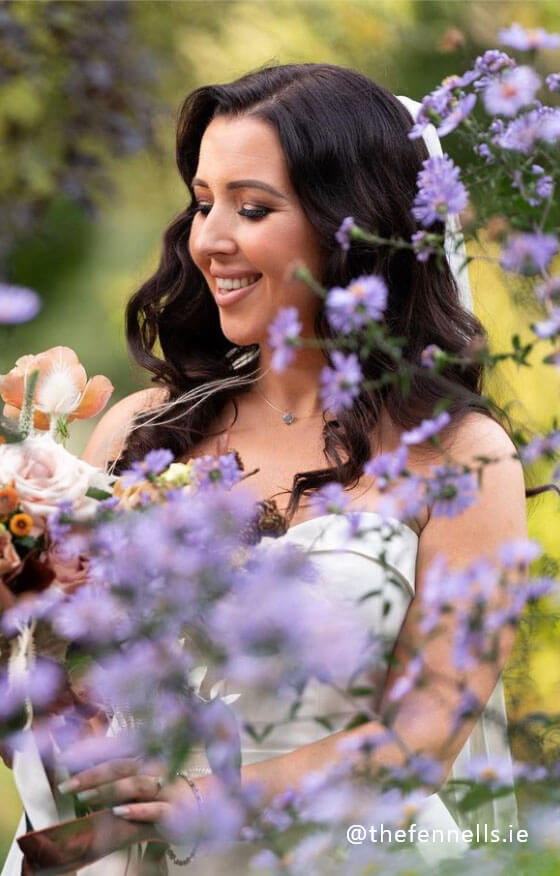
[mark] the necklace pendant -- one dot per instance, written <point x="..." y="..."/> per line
<point x="288" y="418"/>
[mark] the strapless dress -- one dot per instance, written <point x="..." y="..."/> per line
<point x="348" y="568"/>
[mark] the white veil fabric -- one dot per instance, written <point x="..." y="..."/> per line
<point x="488" y="738"/>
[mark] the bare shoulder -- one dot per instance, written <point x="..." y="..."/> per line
<point x="109" y="436"/>
<point x="477" y="435"/>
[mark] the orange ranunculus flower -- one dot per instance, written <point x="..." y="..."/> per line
<point x="9" y="500"/>
<point x="62" y="388"/>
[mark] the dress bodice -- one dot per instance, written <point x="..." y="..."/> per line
<point x="380" y="560"/>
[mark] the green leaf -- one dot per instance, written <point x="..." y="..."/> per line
<point x="96" y="493"/>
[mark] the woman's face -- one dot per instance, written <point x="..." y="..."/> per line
<point x="250" y="224"/>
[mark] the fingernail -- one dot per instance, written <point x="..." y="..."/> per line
<point x="68" y="785"/>
<point x="87" y="795"/>
<point x="121" y="810"/>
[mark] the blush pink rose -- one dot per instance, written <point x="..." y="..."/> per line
<point x="69" y="564"/>
<point x="44" y="473"/>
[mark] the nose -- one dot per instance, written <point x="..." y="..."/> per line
<point x="211" y="235"/>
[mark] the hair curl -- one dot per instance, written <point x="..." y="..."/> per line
<point x="347" y="152"/>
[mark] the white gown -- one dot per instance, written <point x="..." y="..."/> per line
<point x="348" y="569"/>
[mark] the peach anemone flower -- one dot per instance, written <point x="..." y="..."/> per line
<point x="63" y="389"/>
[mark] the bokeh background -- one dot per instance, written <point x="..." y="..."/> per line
<point x="89" y="93"/>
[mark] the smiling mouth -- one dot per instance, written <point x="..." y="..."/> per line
<point x="225" y="297"/>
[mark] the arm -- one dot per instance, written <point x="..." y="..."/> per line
<point x="108" y="439"/>
<point x="425" y="715"/>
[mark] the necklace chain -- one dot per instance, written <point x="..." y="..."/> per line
<point x="287" y="416"/>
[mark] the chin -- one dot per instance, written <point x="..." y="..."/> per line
<point x="244" y="336"/>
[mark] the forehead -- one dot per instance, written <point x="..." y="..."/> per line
<point x="242" y="148"/>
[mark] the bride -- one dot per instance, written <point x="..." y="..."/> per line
<point x="273" y="163"/>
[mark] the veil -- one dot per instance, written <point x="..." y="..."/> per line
<point x="488" y="738"/>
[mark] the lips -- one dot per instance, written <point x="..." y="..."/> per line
<point x="225" y="298"/>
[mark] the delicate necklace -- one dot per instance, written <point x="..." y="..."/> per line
<point x="287" y="416"/>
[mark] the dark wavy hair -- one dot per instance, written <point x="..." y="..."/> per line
<point x="347" y="152"/>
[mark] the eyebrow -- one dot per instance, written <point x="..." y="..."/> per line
<point x="243" y="184"/>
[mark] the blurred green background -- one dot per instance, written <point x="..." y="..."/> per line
<point x="89" y="93"/>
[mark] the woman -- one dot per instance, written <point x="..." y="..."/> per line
<point x="273" y="163"/>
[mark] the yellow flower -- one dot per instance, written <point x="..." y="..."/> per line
<point x="21" y="524"/>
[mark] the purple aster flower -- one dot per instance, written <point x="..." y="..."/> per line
<point x="283" y="337"/>
<point x="91" y="614"/>
<point x="520" y="552"/>
<point x="451" y="491"/>
<point x="512" y="90"/>
<point x="492" y="61"/>
<point x="484" y="151"/>
<point x="404" y="683"/>
<point x="440" y="191"/>
<point x="426" y="244"/>
<point x="542" y="123"/>
<point x="549" y="129"/>
<point x="222" y="471"/>
<point x="544" y="187"/>
<point x="494" y="773"/>
<point x="343" y="234"/>
<point x="549" y="290"/>
<point x="153" y="464"/>
<point x="550" y="327"/>
<point x="363" y="300"/>
<point x="553" y="81"/>
<point x="541" y="446"/>
<point x="18" y="304"/>
<point x="460" y="110"/>
<point x="387" y="466"/>
<point x="426" y="429"/>
<point x="529" y="254"/>
<point x="340" y="385"/>
<point x="330" y="499"/>
<point x="431" y="356"/>
<point x="525" y="39"/>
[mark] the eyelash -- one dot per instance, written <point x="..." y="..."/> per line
<point x="257" y="213"/>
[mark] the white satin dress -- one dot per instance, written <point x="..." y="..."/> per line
<point x="348" y="569"/>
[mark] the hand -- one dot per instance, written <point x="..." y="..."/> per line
<point x="136" y="790"/>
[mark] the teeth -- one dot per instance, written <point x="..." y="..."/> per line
<point x="228" y="285"/>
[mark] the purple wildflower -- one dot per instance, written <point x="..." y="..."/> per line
<point x="92" y="614"/>
<point x="440" y="191"/>
<point x="529" y="254"/>
<point x="549" y="290"/>
<point x="426" y="429"/>
<point x="343" y="234"/>
<point x="426" y="244"/>
<point x="363" y="300"/>
<point x="405" y="682"/>
<point x="540" y="446"/>
<point x="497" y="773"/>
<point x="549" y="129"/>
<point x="387" y="466"/>
<point x="18" y="304"/>
<point x="330" y="499"/>
<point x="431" y="356"/>
<point x="451" y="491"/>
<point x="283" y="337"/>
<point x="153" y="464"/>
<point x="525" y="39"/>
<point x="460" y="110"/>
<point x="340" y="385"/>
<point x="512" y="90"/>
<point x="484" y="151"/>
<point x="491" y="62"/>
<point x="553" y="81"/>
<point x="520" y="552"/>
<point x="221" y="471"/>
<point x="550" y="327"/>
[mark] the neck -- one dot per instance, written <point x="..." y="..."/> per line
<point x="296" y="389"/>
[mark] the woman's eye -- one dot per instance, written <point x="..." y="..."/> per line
<point x="248" y="213"/>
